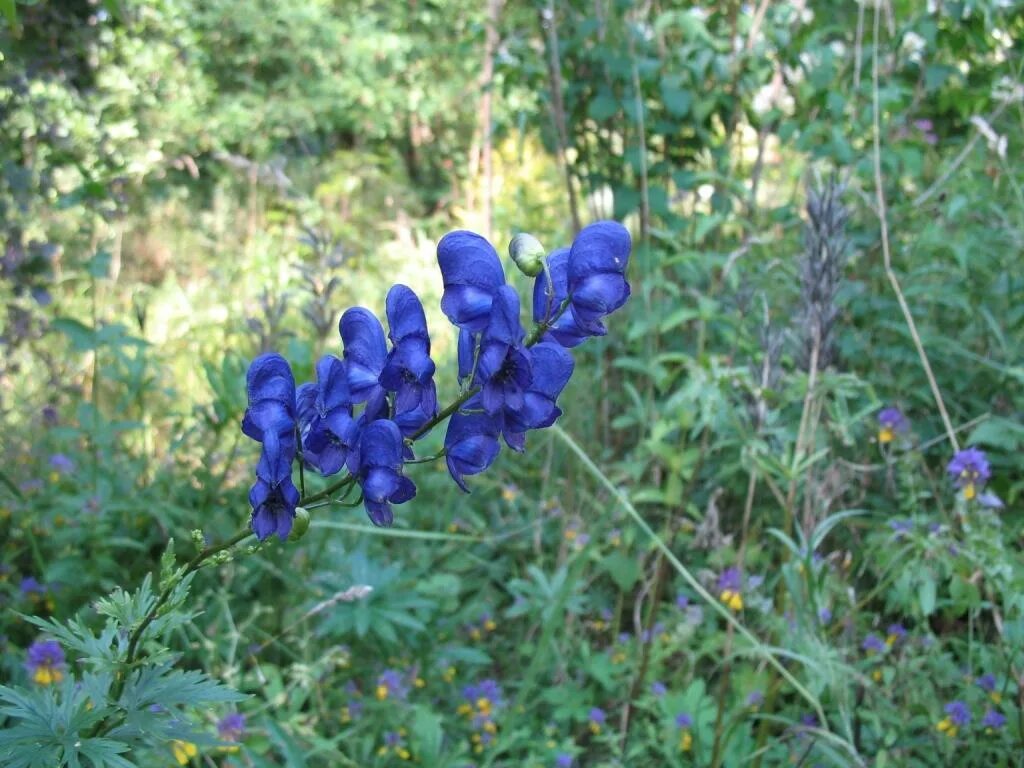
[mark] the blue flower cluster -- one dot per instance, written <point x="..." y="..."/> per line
<point x="509" y="380"/>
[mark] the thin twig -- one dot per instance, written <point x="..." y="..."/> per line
<point x="886" y="254"/>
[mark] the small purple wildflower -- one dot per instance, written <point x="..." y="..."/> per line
<point x="730" y="579"/>
<point x="891" y="422"/>
<point x="45" y="662"/>
<point x="563" y="760"/>
<point x="987" y="682"/>
<point x="62" y="463"/>
<point x="231" y="727"/>
<point x="596" y="719"/>
<point x="391" y="684"/>
<point x="901" y="527"/>
<point x="682" y="601"/>
<point x="873" y="644"/>
<point x="993" y="719"/>
<point x="684" y="720"/>
<point x="958" y="713"/>
<point x="825" y="615"/>
<point x="755" y="699"/>
<point x="30" y="586"/>
<point x="895" y="633"/>
<point x="658" y="688"/>
<point x="969" y="470"/>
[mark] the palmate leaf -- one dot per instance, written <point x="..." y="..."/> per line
<point x="170" y="688"/>
<point x="47" y="729"/>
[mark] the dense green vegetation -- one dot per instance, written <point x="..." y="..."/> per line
<point x="756" y="536"/>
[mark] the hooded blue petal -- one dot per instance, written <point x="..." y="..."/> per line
<point x="598" y="260"/>
<point x="471" y="443"/>
<point x="548" y="297"/>
<point x="472" y="274"/>
<point x="365" y="352"/>
<point x="379" y="470"/>
<point x="405" y="315"/>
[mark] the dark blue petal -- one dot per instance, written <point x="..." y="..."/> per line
<point x="596" y="277"/>
<point x="380" y="513"/>
<point x="380" y="445"/>
<point x="467" y="352"/>
<point x="405" y="315"/>
<point x="305" y="403"/>
<point x="472" y="273"/>
<point x="471" y="444"/>
<point x="365" y="351"/>
<point x="552" y="368"/>
<point x="564" y="330"/>
<point x="273" y="508"/>
<point x="270" y="378"/>
<point x="332" y="380"/>
<point x="379" y="483"/>
<point x="266" y="416"/>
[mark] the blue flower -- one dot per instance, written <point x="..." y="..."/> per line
<point x="329" y="432"/>
<point x="958" y="713"/>
<point x="549" y="292"/>
<point x="409" y="371"/>
<point x="270" y="419"/>
<point x="597" y="266"/>
<point x="471" y="442"/>
<point x="472" y="274"/>
<point x="231" y="727"/>
<point x="45" y="662"/>
<point x="551" y="368"/>
<point x="503" y="369"/>
<point x="379" y="470"/>
<point x="365" y="357"/>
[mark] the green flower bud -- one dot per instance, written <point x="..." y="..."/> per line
<point x="300" y="524"/>
<point x="528" y="254"/>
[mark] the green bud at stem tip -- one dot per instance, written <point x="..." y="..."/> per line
<point x="300" y="524"/>
<point x="528" y="254"/>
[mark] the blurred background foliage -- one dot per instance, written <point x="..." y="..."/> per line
<point x="186" y="183"/>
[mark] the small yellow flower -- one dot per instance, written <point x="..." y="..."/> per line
<point x="685" y="741"/>
<point x="732" y="599"/>
<point x="571" y="534"/>
<point x="419" y="682"/>
<point x="996" y="697"/>
<point x="885" y="435"/>
<point x="346" y="715"/>
<point x="449" y="674"/>
<point x="475" y="634"/>
<point x="490" y="625"/>
<point x="490" y="727"/>
<point x="382" y="692"/>
<point x="183" y="751"/>
<point x="551" y="744"/>
<point x="877" y="675"/>
<point x="45" y="675"/>
<point x="509" y="493"/>
<point x="484" y="705"/>
<point x="404" y="753"/>
<point x="465" y="709"/>
<point x="970" y="491"/>
<point x="595" y="728"/>
<point x="945" y="725"/>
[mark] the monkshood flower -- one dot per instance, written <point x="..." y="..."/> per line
<point x="329" y="433"/>
<point x="471" y="442"/>
<point x="503" y="368"/>
<point x="45" y="662"/>
<point x="408" y="370"/>
<point x="472" y="275"/>
<point x="552" y="367"/>
<point x="957" y="716"/>
<point x="366" y="354"/>
<point x="969" y="470"/>
<point x="597" y="267"/>
<point x="891" y="422"/>
<point x="550" y="292"/>
<point x="270" y="419"/>
<point x="378" y="470"/>
<point x="595" y="720"/>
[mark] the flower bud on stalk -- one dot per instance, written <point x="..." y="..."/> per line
<point x="528" y="254"/>
<point x="300" y="524"/>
